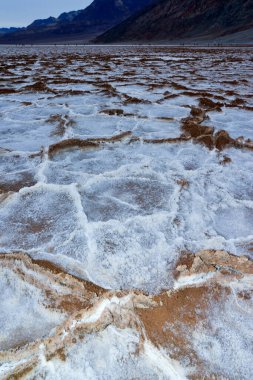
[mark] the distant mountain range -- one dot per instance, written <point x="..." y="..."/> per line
<point x="82" y="25"/>
<point x="171" y="20"/>
<point x="4" y="31"/>
<point x="137" y="21"/>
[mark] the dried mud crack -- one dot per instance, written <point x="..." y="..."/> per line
<point x="168" y="321"/>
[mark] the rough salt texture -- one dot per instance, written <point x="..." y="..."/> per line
<point x="71" y="327"/>
<point x="126" y="172"/>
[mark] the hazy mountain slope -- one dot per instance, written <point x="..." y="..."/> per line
<point x="79" y="25"/>
<point x="182" y="19"/>
<point x="8" y="30"/>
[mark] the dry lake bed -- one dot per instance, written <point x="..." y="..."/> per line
<point x="126" y="213"/>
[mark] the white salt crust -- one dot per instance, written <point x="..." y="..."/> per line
<point x="120" y="214"/>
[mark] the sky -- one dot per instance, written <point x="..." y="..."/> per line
<point x="23" y="12"/>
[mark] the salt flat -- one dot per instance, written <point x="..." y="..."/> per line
<point x="119" y="166"/>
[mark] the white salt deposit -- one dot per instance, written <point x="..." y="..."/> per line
<point x="121" y="213"/>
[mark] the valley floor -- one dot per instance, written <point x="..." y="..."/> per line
<point x="126" y="213"/>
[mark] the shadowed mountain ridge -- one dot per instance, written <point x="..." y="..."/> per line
<point x="81" y="25"/>
<point x="171" y="20"/>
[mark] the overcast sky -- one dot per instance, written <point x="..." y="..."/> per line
<point x="23" y="12"/>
